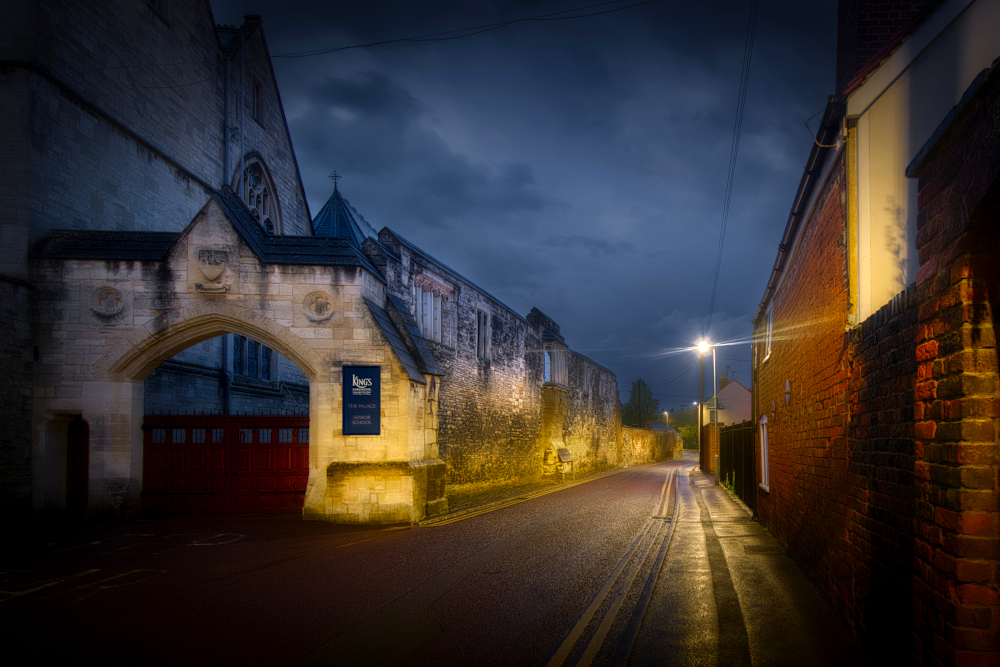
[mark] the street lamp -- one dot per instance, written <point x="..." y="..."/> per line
<point x="703" y="347"/>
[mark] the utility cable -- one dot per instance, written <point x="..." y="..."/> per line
<point x="734" y="151"/>
<point x="442" y="36"/>
<point x="462" y="33"/>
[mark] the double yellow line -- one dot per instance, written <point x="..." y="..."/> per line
<point x="508" y="503"/>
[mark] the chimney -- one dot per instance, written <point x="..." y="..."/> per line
<point x="723" y="380"/>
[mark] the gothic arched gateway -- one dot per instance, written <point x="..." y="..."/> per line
<point x="113" y="306"/>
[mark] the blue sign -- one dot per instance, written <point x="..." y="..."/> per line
<point x="362" y="400"/>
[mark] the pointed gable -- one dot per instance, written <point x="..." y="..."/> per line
<point x="338" y="219"/>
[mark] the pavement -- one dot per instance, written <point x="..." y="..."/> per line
<point x="729" y="594"/>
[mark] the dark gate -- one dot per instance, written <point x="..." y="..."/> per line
<point x="206" y="463"/>
<point x="736" y="461"/>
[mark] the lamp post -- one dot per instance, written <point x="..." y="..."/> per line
<point x="703" y="347"/>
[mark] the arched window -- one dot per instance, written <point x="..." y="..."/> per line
<point x="764" y="476"/>
<point x="259" y="195"/>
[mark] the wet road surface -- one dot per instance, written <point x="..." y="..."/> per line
<point x="611" y="571"/>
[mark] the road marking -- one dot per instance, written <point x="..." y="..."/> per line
<point x="656" y="523"/>
<point x="9" y="595"/>
<point x="598" y="600"/>
<point x="507" y="503"/>
<point x="625" y="648"/>
<point x="235" y="537"/>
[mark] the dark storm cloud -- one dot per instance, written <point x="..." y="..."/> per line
<point x="577" y="166"/>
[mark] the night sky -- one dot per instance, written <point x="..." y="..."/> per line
<point x="578" y="166"/>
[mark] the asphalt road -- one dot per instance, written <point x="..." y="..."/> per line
<point x="585" y="575"/>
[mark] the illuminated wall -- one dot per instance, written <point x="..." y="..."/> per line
<point x="895" y="111"/>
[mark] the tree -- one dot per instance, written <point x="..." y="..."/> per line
<point x="641" y="406"/>
<point x="684" y="417"/>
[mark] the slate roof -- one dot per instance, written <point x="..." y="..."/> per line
<point x="422" y="352"/>
<point x="395" y="341"/>
<point x="271" y="249"/>
<point x="338" y="219"/>
<point x="123" y="246"/>
<point x="454" y="274"/>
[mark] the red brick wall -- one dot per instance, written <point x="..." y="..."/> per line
<point x="957" y="587"/>
<point x="881" y="457"/>
<point x="809" y="503"/>
<point x="865" y="28"/>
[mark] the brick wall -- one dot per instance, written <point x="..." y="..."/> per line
<point x="808" y="506"/>
<point x="16" y="365"/>
<point x="867" y="32"/>
<point x="956" y="408"/>
<point x="881" y="464"/>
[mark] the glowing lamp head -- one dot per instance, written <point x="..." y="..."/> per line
<point x="703" y="346"/>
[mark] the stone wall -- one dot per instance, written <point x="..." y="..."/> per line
<point x="593" y="415"/>
<point x="490" y="409"/>
<point x="881" y="466"/>
<point x="644" y="445"/>
<point x="101" y="139"/>
<point x="16" y="362"/>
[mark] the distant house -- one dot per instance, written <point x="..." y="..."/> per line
<point x="875" y="374"/>
<point x="730" y="405"/>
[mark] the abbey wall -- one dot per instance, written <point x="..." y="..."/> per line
<point x="159" y="259"/>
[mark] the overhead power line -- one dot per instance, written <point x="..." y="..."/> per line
<point x="459" y="33"/>
<point x="462" y="33"/>
<point x="734" y="151"/>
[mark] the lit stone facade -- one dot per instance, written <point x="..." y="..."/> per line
<point x="159" y="257"/>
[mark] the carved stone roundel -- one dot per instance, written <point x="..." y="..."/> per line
<point x="318" y="307"/>
<point x="107" y="301"/>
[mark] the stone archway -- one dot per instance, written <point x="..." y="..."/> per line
<point x="130" y="361"/>
<point x="109" y="318"/>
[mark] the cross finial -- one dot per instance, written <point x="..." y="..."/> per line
<point x="336" y="177"/>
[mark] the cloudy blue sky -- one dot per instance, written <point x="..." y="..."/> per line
<point x="578" y="166"/>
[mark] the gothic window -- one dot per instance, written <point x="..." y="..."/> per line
<point x="258" y="194"/>
<point x="251" y="359"/>
<point x="428" y="312"/>
<point x="556" y="367"/>
<point x="252" y="347"/>
<point x="238" y="354"/>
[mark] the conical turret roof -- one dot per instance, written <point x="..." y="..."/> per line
<point x="338" y="219"/>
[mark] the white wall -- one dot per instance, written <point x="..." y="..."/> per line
<point x="897" y="111"/>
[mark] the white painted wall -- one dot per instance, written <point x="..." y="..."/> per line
<point x="897" y="111"/>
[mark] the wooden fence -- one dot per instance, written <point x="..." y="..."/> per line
<point x="736" y="461"/>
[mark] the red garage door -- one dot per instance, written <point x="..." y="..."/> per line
<point x="204" y="463"/>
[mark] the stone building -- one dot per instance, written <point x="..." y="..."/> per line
<point x="875" y="364"/>
<point x="182" y="334"/>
